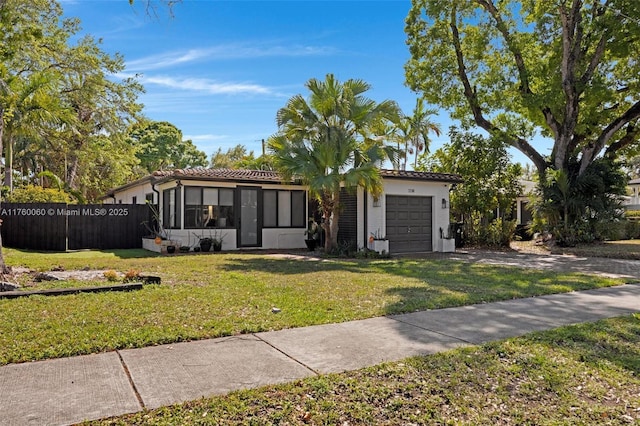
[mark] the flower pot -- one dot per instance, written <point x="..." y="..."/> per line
<point x="217" y="246"/>
<point x="171" y="249"/>
<point x="311" y="244"/>
<point x="205" y="245"/>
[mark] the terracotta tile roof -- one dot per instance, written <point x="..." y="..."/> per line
<point x="429" y="176"/>
<point x="262" y="176"/>
<point x="221" y="174"/>
<point x="271" y="176"/>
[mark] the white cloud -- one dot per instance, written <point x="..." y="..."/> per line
<point x="204" y="138"/>
<point x="202" y="85"/>
<point x="225" y="52"/>
<point x="206" y="85"/>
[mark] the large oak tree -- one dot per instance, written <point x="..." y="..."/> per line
<point x="566" y="69"/>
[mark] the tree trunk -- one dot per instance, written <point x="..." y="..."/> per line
<point x="334" y="228"/>
<point x="3" y="266"/>
<point x="330" y="206"/>
<point x="8" y="164"/>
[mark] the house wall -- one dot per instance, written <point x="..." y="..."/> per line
<point x="376" y="216"/>
<point x="126" y="196"/>
<point x="634" y="196"/>
<point x="272" y="238"/>
<point x="370" y="215"/>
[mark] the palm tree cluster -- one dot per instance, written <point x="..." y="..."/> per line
<point x="331" y="140"/>
<point x="339" y="138"/>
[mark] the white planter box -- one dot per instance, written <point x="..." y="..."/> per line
<point x="150" y="244"/>
<point x="448" y="245"/>
<point x="381" y="246"/>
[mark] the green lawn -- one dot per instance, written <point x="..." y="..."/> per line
<point x="579" y="375"/>
<point x="211" y="295"/>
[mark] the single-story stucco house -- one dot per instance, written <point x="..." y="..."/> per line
<point x="632" y="201"/>
<point x="522" y="211"/>
<point x="256" y="209"/>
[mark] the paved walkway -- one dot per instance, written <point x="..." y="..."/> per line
<point x="69" y="390"/>
<point x="619" y="268"/>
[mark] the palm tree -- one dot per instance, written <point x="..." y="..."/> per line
<point x="415" y="129"/>
<point x="329" y="142"/>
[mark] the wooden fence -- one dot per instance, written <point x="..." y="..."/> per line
<point x="61" y="227"/>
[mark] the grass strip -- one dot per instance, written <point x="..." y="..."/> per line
<point x="582" y="374"/>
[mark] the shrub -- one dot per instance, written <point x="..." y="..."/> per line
<point x="632" y="214"/>
<point x="111" y="275"/>
<point x="37" y="194"/>
<point x="131" y="275"/>
<point x="632" y="229"/>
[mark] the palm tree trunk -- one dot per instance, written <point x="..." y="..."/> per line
<point x="3" y="266"/>
<point x="8" y="166"/>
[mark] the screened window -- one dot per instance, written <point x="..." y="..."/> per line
<point x="283" y="209"/>
<point x="208" y="207"/>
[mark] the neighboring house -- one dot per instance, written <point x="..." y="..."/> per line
<point x="632" y="201"/>
<point x="523" y="212"/>
<point x="256" y="209"/>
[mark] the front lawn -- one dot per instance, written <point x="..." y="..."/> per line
<point x="212" y="295"/>
<point x="579" y="375"/>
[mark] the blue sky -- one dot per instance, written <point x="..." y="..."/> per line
<point x="220" y="70"/>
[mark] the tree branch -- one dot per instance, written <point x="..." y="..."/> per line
<point x="523" y="73"/>
<point x="472" y="98"/>
<point x="633" y="132"/>
<point x="591" y="151"/>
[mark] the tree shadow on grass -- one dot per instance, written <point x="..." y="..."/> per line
<point x="291" y="265"/>
<point x="615" y="341"/>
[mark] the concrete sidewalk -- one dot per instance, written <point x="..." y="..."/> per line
<point x="69" y="390"/>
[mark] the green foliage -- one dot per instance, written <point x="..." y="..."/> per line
<point x="413" y="132"/>
<point x="328" y="141"/>
<point x="160" y="146"/>
<point x="491" y="183"/>
<point x="237" y="158"/>
<point x="580" y="208"/>
<point x="38" y="194"/>
<point x="61" y="109"/>
<point x="566" y="70"/>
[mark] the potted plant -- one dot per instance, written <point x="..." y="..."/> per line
<point x="205" y="244"/>
<point x="312" y="234"/>
<point x="378" y="242"/>
<point x="214" y="240"/>
<point x="217" y="240"/>
<point x="159" y="238"/>
<point x="447" y="240"/>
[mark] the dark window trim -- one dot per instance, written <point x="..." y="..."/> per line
<point x="166" y="216"/>
<point x="201" y="190"/>
<point x="291" y="211"/>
